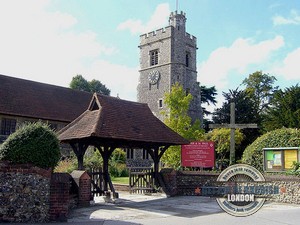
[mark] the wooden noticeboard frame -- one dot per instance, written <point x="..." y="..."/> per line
<point x="280" y="159"/>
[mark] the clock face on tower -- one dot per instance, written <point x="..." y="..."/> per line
<point x="153" y="77"/>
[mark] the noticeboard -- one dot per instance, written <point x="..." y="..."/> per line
<point x="198" y="154"/>
<point x="280" y="159"/>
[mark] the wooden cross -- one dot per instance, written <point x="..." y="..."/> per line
<point x="232" y="127"/>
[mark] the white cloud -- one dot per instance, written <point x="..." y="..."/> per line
<point x="157" y="20"/>
<point x="294" y="18"/>
<point x="290" y="68"/>
<point x="121" y="79"/>
<point x="41" y="45"/>
<point x="236" y="58"/>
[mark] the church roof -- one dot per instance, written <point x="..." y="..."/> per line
<point x="25" y="98"/>
<point x="117" y="122"/>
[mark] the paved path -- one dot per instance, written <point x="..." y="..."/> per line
<point x="157" y="209"/>
<point x="182" y="210"/>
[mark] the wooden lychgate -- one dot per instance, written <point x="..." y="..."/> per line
<point x="141" y="180"/>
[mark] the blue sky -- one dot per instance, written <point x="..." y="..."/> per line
<point x="53" y="40"/>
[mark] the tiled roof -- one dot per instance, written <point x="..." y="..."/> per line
<point x="19" y="97"/>
<point x="113" y="120"/>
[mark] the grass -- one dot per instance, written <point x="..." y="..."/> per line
<point x="120" y="180"/>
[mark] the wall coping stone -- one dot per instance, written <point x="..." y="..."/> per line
<point x="7" y="166"/>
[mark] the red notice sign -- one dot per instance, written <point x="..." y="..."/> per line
<point x="198" y="154"/>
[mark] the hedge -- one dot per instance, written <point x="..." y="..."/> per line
<point x="285" y="137"/>
<point x="33" y="143"/>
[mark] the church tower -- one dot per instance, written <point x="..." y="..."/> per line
<point x="167" y="56"/>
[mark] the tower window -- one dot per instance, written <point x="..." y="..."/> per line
<point x="154" y="57"/>
<point x="187" y="91"/>
<point x="160" y="103"/>
<point x="187" y="59"/>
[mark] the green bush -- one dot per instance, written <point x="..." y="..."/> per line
<point x="33" y="143"/>
<point x="285" y="137"/>
<point x="92" y="159"/>
<point x="117" y="164"/>
<point x="295" y="169"/>
<point x="119" y="170"/>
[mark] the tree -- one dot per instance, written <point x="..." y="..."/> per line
<point x="284" y="110"/>
<point x="221" y="138"/>
<point x="245" y="108"/>
<point x="245" y="113"/>
<point x="260" y="88"/>
<point x="80" y="83"/>
<point x="208" y="96"/>
<point x="177" y="119"/>
<point x="98" y="87"/>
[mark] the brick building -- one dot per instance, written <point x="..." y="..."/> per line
<point x="24" y="100"/>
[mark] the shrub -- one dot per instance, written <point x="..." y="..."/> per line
<point x="119" y="170"/>
<point x="66" y="166"/>
<point x="33" y="143"/>
<point x="92" y="159"/>
<point x="285" y="137"/>
<point x="295" y="169"/>
<point x="117" y="164"/>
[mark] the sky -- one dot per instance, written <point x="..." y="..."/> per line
<point x="51" y="41"/>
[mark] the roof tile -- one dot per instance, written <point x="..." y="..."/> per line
<point x="19" y="97"/>
<point x="118" y="119"/>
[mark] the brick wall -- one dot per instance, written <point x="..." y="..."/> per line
<point x="83" y="182"/>
<point x="187" y="182"/>
<point x="59" y="196"/>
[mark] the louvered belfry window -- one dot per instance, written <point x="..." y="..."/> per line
<point x="154" y="57"/>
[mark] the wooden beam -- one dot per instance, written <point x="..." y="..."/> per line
<point x="243" y="126"/>
<point x="232" y="126"/>
<point x="106" y="152"/>
<point x="79" y="149"/>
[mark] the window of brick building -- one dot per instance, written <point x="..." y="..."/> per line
<point x="8" y="126"/>
<point x="154" y="57"/>
<point x="53" y="126"/>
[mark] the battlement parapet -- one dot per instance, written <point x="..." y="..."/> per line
<point x="191" y="39"/>
<point x="156" y="35"/>
<point x="164" y="33"/>
<point x="176" y="13"/>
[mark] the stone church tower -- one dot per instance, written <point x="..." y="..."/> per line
<point x="167" y="56"/>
